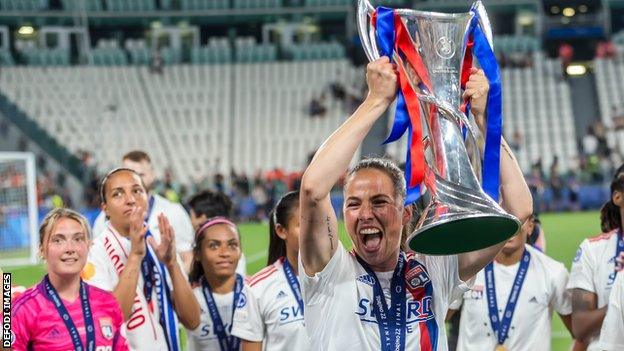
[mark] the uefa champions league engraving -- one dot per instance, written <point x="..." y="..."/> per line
<point x="457" y="190"/>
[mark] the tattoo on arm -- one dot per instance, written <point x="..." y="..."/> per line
<point x="583" y="300"/>
<point x="329" y="233"/>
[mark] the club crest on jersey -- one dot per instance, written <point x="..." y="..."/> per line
<point x="242" y="300"/>
<point x="416" y="277"/>
<point x="366" y="279"/>
<point x="106" y="327"/>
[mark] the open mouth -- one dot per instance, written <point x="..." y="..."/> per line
<point x="371" y="238"/>
<point x="69" y="260"/>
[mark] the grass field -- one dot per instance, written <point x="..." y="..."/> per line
<point x="564" y="232"/>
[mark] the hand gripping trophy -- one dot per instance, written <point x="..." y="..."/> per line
<point x="452" y="169"/>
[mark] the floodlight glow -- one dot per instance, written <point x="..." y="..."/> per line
<point x="26" y="30"/>
<point x="568" y="12"/>
<point x="576" y="70"/>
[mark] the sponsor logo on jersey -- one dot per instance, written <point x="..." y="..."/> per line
<point x="366" y="279"/>
<point x="290" y="314"/>
<point x="577" y="257"/>
<point x="54" y="333"/>
<point x="416" y="277"/>
<point x="417" y="311"/>
<point x="106" y="327"/>
<point x="280" y="294"/>
<point x="476" y="293"/>
<point x="242" y="300"/>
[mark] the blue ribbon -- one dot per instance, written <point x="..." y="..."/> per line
<point x="155" y="275"/>
<point x="501" y="327"/>
<point x="391" y="322"/>
<point x="491" y="159"/>
<point x="619" y="248"/>
<point x="293" y="282"/>
<point x="385" y="40"/>
<point x="226" y="343"/>
<point x="53" y="296"/>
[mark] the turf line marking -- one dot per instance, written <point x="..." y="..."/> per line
<point x="257" y="257"/>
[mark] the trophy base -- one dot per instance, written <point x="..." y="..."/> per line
<point x="463" y="233"/>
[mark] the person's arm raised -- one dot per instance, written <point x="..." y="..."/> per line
<point x="516" y="197"/>
<point x="319" y="229"/>
<point x="125" y="291"/>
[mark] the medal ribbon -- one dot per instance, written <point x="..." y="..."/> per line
<point x="226" y="343"/>
<point x="293" y="282"/>
<point x="53" y="296"/>
<point x="391" y="321"/>
<point x="501" y="327"/>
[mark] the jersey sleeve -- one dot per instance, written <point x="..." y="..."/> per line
<point x="181" y="223"/>
<point x="582" y="271"/>
<point x="320" y="287"/>
<point x="561" y="299"/>
<point x="99" y="270"/>
<point x="248" y="322"/>
<point x="611" y="336"/>
<point x="444" y="271"/>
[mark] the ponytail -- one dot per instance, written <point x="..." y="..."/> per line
<point x="284" y="208"/>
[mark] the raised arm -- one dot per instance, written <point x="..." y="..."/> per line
<point x="126" y="288"/>
<point x="319" y="229"/>
<point x="515" y="195"/>
<point x="184" y="301"/>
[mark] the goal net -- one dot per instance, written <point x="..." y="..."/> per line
<point x="18" y="209"/>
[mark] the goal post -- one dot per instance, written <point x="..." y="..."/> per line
<point x="18" y="209"/>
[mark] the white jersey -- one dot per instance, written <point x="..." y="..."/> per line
<point x="611" y="336"/>
<point x="543" y="291"/>
<point x="107" y="259"/>
<point x="204" y="337"/>
<point x="176" y="214"/>
<point x="272" y="315"/>
<point x="593" y="270"/>
<point x="338" y="313"/>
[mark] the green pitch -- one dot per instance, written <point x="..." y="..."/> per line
<point x="564" y="232"/>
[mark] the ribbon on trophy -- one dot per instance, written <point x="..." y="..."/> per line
<point x="393" y="37"/>
<point x="479" y="46"/>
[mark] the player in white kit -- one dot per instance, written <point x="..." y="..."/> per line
<point x="379" y="297"/>
<point x="612" y="331"/>
<point x="517" y="294"/>
<point x="141" y="268"/>
<point x="216" y="285"/>
<point x="208" y="204"/>
<point x="272" y="320"/>
<point x="140" y="162"/>
<point x="594" y="268"/>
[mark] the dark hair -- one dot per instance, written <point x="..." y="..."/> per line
<point x="610" y="217"/>
<point x="105" y="179"/>
<point x="137" y="156"/>
<point x="197" y="270"/>
<point x="387" y="166"/>
<point x="211" y="204"/>
<point x="284" y="208"/>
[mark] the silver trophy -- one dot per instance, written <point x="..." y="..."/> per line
<point x="454" y="214"/>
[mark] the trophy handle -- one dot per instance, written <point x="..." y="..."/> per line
<point x="367" y="35"/>
<point x="484" y="21"/>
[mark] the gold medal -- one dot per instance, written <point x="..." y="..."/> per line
<point x="500" y="347"/>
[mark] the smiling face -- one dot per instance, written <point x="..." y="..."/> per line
<point x="65" y="248"/>
<point x="123" y="192"/>
<point x="220" y="250"/>
<point x="374" y="217"/>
